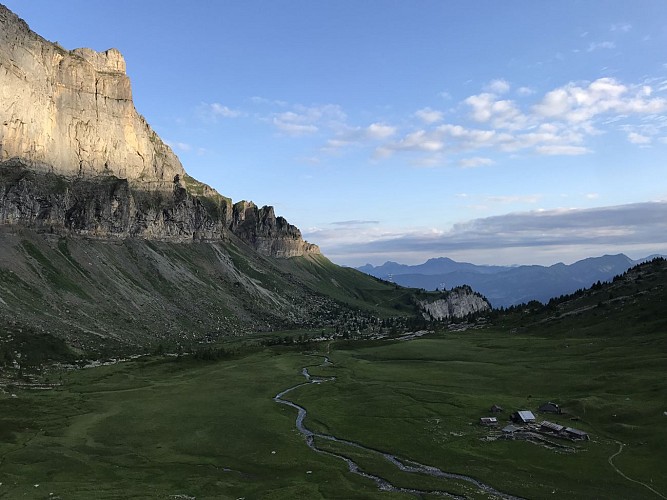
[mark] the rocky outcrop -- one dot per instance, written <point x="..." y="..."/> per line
<point x="77" y="158"/>
<point x="456" y="303"/>
<point x="108" y="207"/>
<point x="71" y="112"/>
<point x="268" y="234"/>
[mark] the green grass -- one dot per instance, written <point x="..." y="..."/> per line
<point x="422" y="400"/>
<point x="350" y="286"/>
<point x="154" y="429"/>
<point x="54" y="274"/>
<point x="208" y="429"/>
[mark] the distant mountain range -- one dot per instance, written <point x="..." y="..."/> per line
<point x="505" y="286"/>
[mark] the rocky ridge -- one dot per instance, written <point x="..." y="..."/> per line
<point x="456" y="303"/>
<point x="76" y="158"/>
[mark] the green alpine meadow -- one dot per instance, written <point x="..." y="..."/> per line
<point x="163" y="426"/>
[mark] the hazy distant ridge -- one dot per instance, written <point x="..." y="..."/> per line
<point x="504" y="286"/>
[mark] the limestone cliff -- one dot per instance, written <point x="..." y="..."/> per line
<point x="72" y="112"/>
<point x="76" y="157"/>
<point x="456" y="303"/>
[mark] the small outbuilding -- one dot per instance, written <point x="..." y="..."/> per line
<point x="551" y="427"/>
<point x="511" y="429"/>
<point x="488" y="421"/>
<point x="576" y="434"/>
<point x="523" y="417"/>
<point x="496" y="409"/>
<point x="550" y="408"/>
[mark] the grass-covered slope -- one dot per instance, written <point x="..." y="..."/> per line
<point x="349" y="286"/>
<point x="113" y="296"/>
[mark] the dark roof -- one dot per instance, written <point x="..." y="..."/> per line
<point x="576" y="432"/>
<point x="550" y="407"/>
<point x="551" y="426"/>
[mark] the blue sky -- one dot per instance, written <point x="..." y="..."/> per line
<point x="485" y="131"/>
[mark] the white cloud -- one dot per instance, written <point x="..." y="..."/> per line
<point x="476" y="161"/>
<point x="348" y="136"/>
<point x="562" y="150"/>
<point x="307" y="120"/>
<point x="419" y="140"/>
<point x="291" y="124"/>
<point x="498" y="86"/>
<point x="212" y="112"/>
<point x="560" y="122"/>
<point x="636" y="138"/>
<point x="575" y="103"/>
<point x="500" y="113"/>
<point x="428" y="115"/>
<point x="600" y="45"/>
<point x="218" y="109"/>
<point x="380" y="131"/>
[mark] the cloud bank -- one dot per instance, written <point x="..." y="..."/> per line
<point x="546" y="236"/>
<point x="500" y="120"/>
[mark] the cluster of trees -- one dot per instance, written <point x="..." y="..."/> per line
<point x="635" y="273"/>
<point x="214" y="353"/>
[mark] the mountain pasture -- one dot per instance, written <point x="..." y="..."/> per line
<point x="159" y="427"/>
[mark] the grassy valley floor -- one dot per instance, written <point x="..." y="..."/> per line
<point x="159" y="428"/>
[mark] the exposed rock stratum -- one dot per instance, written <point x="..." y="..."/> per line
<point x="456" y="303"/>
<point x="77" y="158"/>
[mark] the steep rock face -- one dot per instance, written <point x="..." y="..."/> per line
<point x="77" y="158"/>
<point x="457" y="303"/>
<point x="268" y="234"/>
<point x="107" y="207"/>
<point x="71" y="112"/>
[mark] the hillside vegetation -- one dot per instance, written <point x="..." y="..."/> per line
<point x="163" y="427"/>
<point x="110" y="297"/>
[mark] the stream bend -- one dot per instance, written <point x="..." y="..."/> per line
<point x="403" y="465"/>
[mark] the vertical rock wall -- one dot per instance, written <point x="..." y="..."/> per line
<point x="71" y="112"/>
<point x="75" y="156"/>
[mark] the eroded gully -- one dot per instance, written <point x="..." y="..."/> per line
<point x="401" y="464"/>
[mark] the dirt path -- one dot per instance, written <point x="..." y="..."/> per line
<point x="611" y="462"/>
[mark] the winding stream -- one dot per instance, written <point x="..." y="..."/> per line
<point x="403" y="465"/>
